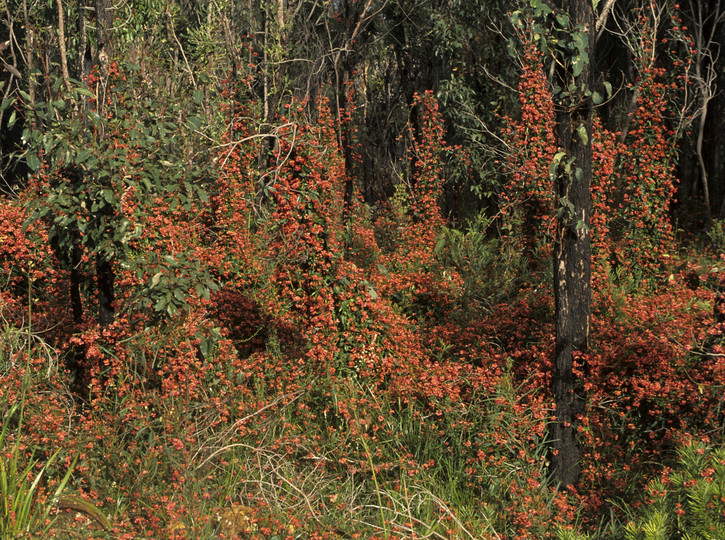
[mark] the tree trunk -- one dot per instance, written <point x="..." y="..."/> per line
<point x="105" y="276"/>
<point x="29" y="54"/>
<point x="572" y="253"/>
<point x="61" y="47"/>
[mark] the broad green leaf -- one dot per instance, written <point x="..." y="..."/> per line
<point x="33" y="161"/>
<point x="582" y="132"/>
<point x="555" y="164"/>
<point x="193" y="123"/>
<point x="160" y="304"/>
<point x="577" y="66"/>
<point x="11" y="121"/>
<point x="108" y="195"/>
<point x="198" y="97"/>
<point x="7" y="103"/>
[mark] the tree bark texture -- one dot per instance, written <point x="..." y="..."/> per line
<point x="572" y="255"/>
<point x="105" y="274"/>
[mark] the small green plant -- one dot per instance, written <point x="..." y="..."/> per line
<point x="689" y="502"/>
<point x="492" y="270"/>
<point x="716" y="235"/>
<point x="20" y="493"/>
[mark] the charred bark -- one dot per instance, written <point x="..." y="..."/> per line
<point x="572" y="254"/>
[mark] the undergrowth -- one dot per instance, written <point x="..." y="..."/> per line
<point x="281" y="360"/>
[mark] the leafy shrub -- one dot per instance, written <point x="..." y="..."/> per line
<point x="687" y="502"/>
<point x="716" y="234"/>
<point x="492" y="271"/>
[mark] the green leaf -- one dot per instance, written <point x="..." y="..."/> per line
<point x="33" y="161"/>
<point x="11" y="121"/>
<point x="85" y="92"/>
<point x="582" y="132"/>
<point x="201" y="291"/>
<point x="555" y="164"/>
<point x="161" y="304"/>
<point x="193" y="123"/>
<point x="577" y="66"/>
<point x="7" y="103"/>
<point x="608" y="88"/>
<point x="596" y="98"/>
<point x="541" y="9"/>
<point x="108" y="195"/>
<point x="198" y="97"/>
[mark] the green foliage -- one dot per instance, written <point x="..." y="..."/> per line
<point x="716" y="234"/>
<point x="177" y="277"/>
<point x="392" y="379"/>
<point x="689" y="502"/>
<point x="553" y="32"/>
<point x="102" y="177"/>
<point x="463" y="37"/>
<point x="18" y="487"/>
<point x="24" y="505"/>
<point x="491" y="270"/>
<point x="569" y="534"/>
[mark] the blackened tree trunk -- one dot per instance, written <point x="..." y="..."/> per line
<point x="105" y="276"/>
<point x="572" y="252"/>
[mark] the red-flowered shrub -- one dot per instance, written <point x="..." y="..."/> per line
<point x="528" y="201"/>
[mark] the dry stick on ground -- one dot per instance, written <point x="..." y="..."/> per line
<point x="87" y="508"/>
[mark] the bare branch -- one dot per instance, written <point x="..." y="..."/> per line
<point x="602" y="19"/>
